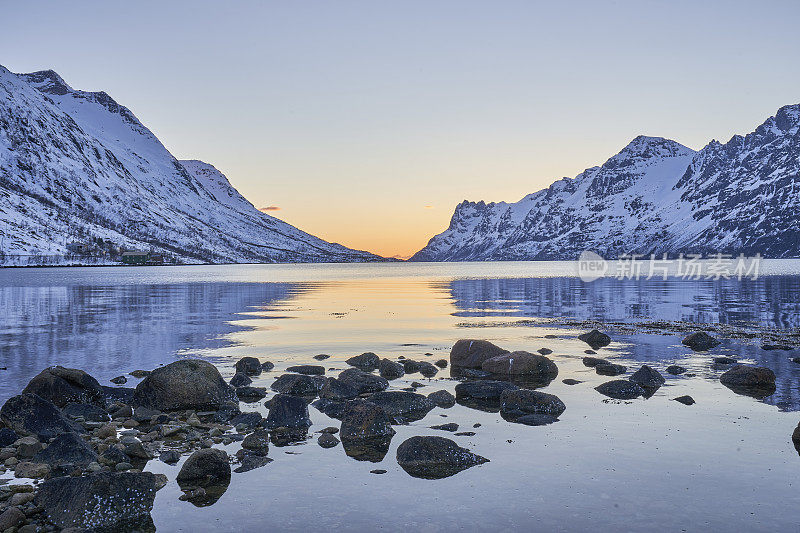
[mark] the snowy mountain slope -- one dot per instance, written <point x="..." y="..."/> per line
<point x="76" y="166"/>
<point x="654" y="196"/>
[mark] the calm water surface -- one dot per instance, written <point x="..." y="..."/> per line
<point x="726" y="462"/>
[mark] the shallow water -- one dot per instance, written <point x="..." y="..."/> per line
<point x="633" y="466"/>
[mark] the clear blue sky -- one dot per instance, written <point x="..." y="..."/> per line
<point x="366" y="122"/>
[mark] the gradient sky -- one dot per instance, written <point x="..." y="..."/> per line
<point x="366" y="122"/>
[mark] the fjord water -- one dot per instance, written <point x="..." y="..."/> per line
<point x="725" y="462"/>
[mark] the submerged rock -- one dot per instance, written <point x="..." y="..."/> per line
<point x="700" y="341"/>
<point x="782" y="347"/>
<point x="594" y="361"/>
<point x="435" y="457"/>
<point x="402" y="406"/>
<point x="724" y="361"/>
<point x="620" y="389"/>
<point x="61" y="386"/>
<point x="545" y="351"/>
<point x="442" y="398"/>
<point x="102" y="501"/>
<point x="363" y="382"/>
<point x="520" y="363"/>
<point x="184" y="384"/>
<point x="610" y="369"/>
<point x="647" y="377"/>
<point x="367" y="361"/>
<point x="536" y="419"/>
<point x="570" y="381"/>
<point x="519" y="402"/>
<point x="675" y="370"/>
<point x="451" y="427"/>
<point x="321" y="357"/>
<point x="685" y="400"/>
<point x="30" y="414"/>
<point x="365" y="420"/>
<point x="484" y="395"/>
<point x="595" y="339"/>
<point x="249" y="366"/>
<point x="391" y="370"/>
<point x="758" y="382"/>
<point x="288" y="411"/>
<point x="309" y="370"/>
<point x="298" y="384"/>
<point x="471" y="353"/>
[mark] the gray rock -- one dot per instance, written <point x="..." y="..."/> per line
<point x="298" y="384"/>
<point x="249" y="366"/>
<point x="410" y="366"/>
<point x="700" y="341"/>
<point x="685" y="400"/>
<point x="170" y="457"/>
<point x="442" y="398"/>
<point x="451" y="427"/>
<point x="248" y="420"/>
<point x="11" y="517"/>
<point x="367" y="361"/>
<point x="257" y="442"/>
<point x="570" y="381"/>
<point x="61" y="386"/>
<point x="335" y="389"/>
<point x="240" y="380"/>
<point x="749" y="380"/>
<point x="103" y="500"/>
<point x="363" y="382"/>
<point x="390" y="370"/>
<point x="205" y="467"/>
<point x="326" y="440"/>
<point x="266" y="366"/>
<point x="365" y="420"/>
<point x="471" y="353"/>
<point x="595" y="339"/>
<point x="441" y="363"/>
<point x="545" y="351"/>
<point x="309" y="370"/>
<point x="534" y="366"/>
<point x="30" y="414"/>
<point x="87" y="411"/>
<point x="332" y="408"/>
<point x="647" y="377"/>
<point x="427" y="370"/>
<point x="435" y="457"/>
<point x="675" y="370"/>
<point x="520" y="402"/>
<point x="610" y="369"/>
<point x="119" y="380"/>
<point x="289" y="412"/>
<point x="321" y="357"/>
<point x="251" y="462"/>
<point x="7" y="437"/>
<point x="402" y="406"/>
<point x="536" y="419"/>
<point x="184" y="384"/>
<point x="483" y="395"/>
<point x="28" y="447"/>
<point x="67" y="449"/>
<point x="594" y="361"/>
<point x="620" y="389"/>
<point x="251" y="394"/>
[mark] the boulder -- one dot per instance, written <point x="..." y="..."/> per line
<point x="119" y="380"/>
<point x="11" y="517"/>
<point x="321" y="357"/>
<point x="451" y="427"/>
<point x="31" y="470"/>
<point x="247" y="420"/>
<point x="410" y="366"/>
<point x="240" y="380"/>
<point x="484" y="395"/>
<point x="184" y="384"/>
<point x="363" y="382"/>
<point x="367" y="361"/>
<point x="545" y="351"/>
<point x="595" y="339"/>
<point x="402" y="406"/>
<point x="326" y="440"/>
<point x="685" y="400"/>
<point x="441" y="363"/>
<point x="700" y="341"/>
<point x="647" y="377"/>
<point x="427" y="370"/>
<point x="288" y="411"/>
<point x="332" y="408"/>
<point x="335" y="389"/>
<point x="610" y="369"/>
<point x="516" y="403"/>
<point x="30" y="414"/>
<point x="103" y="501"/>
<point x="365" y="420"/>
<point x="372" y="450"/>
<point x="7" y="437"/>
<point x="266" y="366"/>
<point x="535" y="366"/>
<point x="753" y="381"/>
<point x="570" y="381"/>
<point x="298" y="384"/>
<point x="28" y="447"/>
<point x="536" y="419"/>
<point x="442" y="398"/>
<point x="249" y="366"/>
<point x="435" y="457"/>
<point x="208" y="466"/>
<point x="61" y="386"/>
<point x="594" y="361"/>
<point x="390" y="370"/>
<point x="66" y="449"/>
<point x="471" y="353"/>
<point x="620" y="389"/>
<point x="309" y="370"/>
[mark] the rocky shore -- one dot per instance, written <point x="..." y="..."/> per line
<point x="85" y="446"/>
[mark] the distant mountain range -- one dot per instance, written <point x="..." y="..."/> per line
<point x="655" y="196"/>
<point x="79" y="170"/>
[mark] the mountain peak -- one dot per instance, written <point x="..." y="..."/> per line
<point x="788" y="117"/>
<point x="644" y="146"/>
<point x="47" y="81"/>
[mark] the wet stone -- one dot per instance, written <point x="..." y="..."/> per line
<point x="594" y="361"/>
<point x="685" y="400"/>
<point x="700" y="341"/>
<point x="309" y="370"/>
<point x="390" y="369"/>
<point x="595" y="339"/>
<point x="249" y="366"/>
<point x="367" y="361"/>
<point x="326" y="440"/>
<point x="435" y="457"/>
<point x="610" y="369"/>
<point x="620" y="389"/>
<point x="675" y="370"/>
<point x="442" y="398"/>
<point x="452" y="427"/>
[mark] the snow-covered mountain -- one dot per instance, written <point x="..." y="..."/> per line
<point x="655" y="196"/>
<point x="76" y="167"/>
